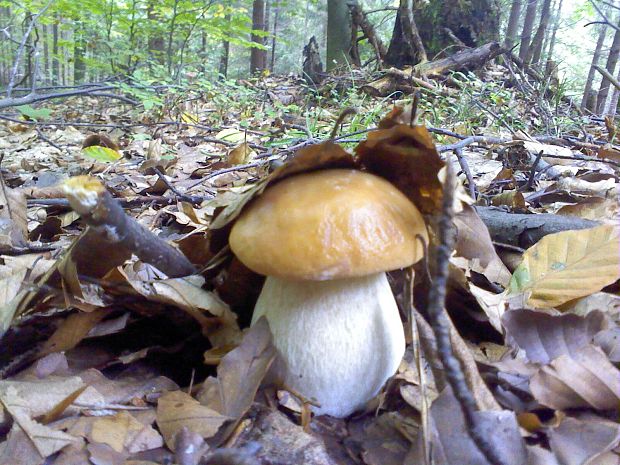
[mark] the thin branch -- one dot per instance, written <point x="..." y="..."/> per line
<point x="438" y="319"/>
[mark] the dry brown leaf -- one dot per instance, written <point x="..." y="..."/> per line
<point x="585" y="379"/>
<point x="176" y="410"/>
<point x="406" y="156"/>
<point x="122" y="432"/>
<point x="241" y="154"/>
<point x="314" y="157"/>
<point x="545" y="337"/>
<point x="72" y="330"/>
<point x="474" y="243"/>
<point x="568" y="265"/>
<point x="452" y="444"/>
<point x="586" y="442"/>
<point x="242" y="370"/>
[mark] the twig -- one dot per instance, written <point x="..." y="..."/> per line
<point x="530" y="181"/>
<point x="46" y="139"/>
<point x="228" y="170"/>
<point x="179" y="195"/>
<point x="469" y="141"/>
<point x="465" y="167"/>
<point x="439" y="321"/>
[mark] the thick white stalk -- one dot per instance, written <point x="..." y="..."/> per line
<point x="338" y="341"/>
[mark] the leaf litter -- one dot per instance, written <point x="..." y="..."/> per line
<point x="103" y="356"/>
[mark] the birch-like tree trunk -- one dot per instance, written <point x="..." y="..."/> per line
<point x="610" y="66"/>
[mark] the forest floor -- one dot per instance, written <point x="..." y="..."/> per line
<point x="105" y="359"/>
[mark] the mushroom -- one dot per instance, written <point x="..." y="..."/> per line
<point x="324" y="240"/>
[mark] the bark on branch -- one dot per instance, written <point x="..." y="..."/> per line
<point x="90" y="199"/>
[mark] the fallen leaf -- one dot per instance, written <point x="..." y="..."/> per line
<point x="577" y="442"/>
<point x="568" y="265"/>
<point x="241" y="370"/>
<point x="545" y="337"/>
<point x="72" y="330"/>
<point x="585" y="379"/>
<point x="451" y="443"/>
<point x="406" y="156"/>
<point x="122" y="432"/>
<point x="176" y="410"/>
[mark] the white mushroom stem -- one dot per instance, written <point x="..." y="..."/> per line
<point x="338" y="341"/>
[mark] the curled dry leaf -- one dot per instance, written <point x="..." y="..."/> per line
<point x="406" y="156"/>
<point x="545" y="337"/>
<point x="314" y="157"/>
<point x="474" y="243"/>
<point x="571" y="382"/>
<point x="568" y="265"/>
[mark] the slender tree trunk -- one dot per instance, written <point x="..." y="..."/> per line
<point x="528" y="27"/>
<point x="556" y="26"/>
<point x="274" y="41"/>
<point x="79" y="67"/>
<point x="513" y="23"/>
<point x="223" y="67"/>
<point x="257" y="56"/>
<point x="612" y="60"/>
<point x="171" y="30"/>
<point x="55" y="57"/>
<point x="45" y="60"/>
<point x="539" y="38"/>
<point x="338" y="34"/>
<point x="155" y="36"/>
<point x="615" y="95"/>
<point x="587" y="101"/>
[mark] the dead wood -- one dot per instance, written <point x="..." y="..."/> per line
<point x="359" y="19"/>
<point x="89" y="198"/>
<point x="408" y="78"/>
<point x="525" y="230"/>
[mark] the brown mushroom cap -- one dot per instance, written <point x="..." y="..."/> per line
<point x="329" y="224"/>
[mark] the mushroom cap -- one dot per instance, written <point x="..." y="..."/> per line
<point x="329" y="224"/>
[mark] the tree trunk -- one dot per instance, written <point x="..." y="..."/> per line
<point x="613" y="106"/>
<point x="257" y="56"/>
<point x="223" y="66"/>
<point x="526" y="32"/>
<point x="539" y="37"/>
<point x="359" y="19"/>
<point x="55" y="57"/>
<point x="406" y="46"/>
<point x="79" y="67"/>
<point x="155" y="36"/>
<point x="513" y="23"/>
<point x="442" y="24"/>
<point x="274" y="38"/>
<point x="556" y="26"/>
<point x="338" y="34"/>
<point x="610" y="66"/>
<point x="588" y="101"/>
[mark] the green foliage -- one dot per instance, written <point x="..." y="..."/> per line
<point x="36" y="114"/>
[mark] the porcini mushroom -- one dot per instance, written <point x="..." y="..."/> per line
<point x="324" y="240"/>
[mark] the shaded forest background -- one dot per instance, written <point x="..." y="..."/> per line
<point x="66" y="43"/>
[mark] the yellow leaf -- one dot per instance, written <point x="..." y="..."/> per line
<point x="568" y="265"/>
<point x="189" y="118"/>
<point x="230" y="135"/>
<point x="101" y="153"/>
